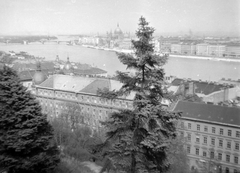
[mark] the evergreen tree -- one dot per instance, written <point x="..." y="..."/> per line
<point x="26" y="137"/>
<point x="138" y="139"/>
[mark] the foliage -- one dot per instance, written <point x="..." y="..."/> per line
<point x="26" y="137"/>
<point x="178" y="156"/>
<point x="72" y="135"/>
<point x="138" y="139"/>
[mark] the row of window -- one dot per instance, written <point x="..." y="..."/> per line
<point x="213" y="130"/>
<point x="212" y="155"/>
<point x="213" y="141"/>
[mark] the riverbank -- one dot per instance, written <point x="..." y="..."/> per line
<point x="206" y="58"/>
<point x="170" y="55"/>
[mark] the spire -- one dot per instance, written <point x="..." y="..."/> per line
<point x="38" y="64"/>
<point x="117" y="25"/>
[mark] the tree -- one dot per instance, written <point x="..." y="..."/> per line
<point x="178" y="156"/>
<point x="72" y="135"/>
<point x="139" y="138"/>
<point x="26" y="137"/>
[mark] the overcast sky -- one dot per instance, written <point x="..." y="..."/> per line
<point x="92" y="16"/>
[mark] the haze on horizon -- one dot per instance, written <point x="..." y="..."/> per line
<point x="29" y="17"/>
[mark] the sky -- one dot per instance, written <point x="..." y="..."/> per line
<point x="99" y="16"/>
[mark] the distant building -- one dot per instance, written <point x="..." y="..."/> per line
<point x="176" y="48"/>
<point x="202" y="49"/>
<point x="216" y="50"/>
<point x="213" y="136"/>
<point x="188" y="49"/>
<point x="233" y="51"/>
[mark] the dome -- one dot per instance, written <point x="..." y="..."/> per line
<point x="39" y="77"/>
<point x="118" y="31"/>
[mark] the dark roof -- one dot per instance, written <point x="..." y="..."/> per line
<point x="95" y="85"/>
<point x="200" y="86"/>
<point x="209" y="112"/>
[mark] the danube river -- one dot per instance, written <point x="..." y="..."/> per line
<point x="209" y="70"/>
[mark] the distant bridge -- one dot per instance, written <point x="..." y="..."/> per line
<point x="41" y="41"/>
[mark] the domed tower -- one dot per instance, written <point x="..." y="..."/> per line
<point x="118" y="32"/>
<point x="39" y="76"/>
<point x="68" y="65"/>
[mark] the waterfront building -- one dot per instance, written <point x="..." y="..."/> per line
<point x="232" y="51"/>
<point x="188" y="49"/>
<point x="202" y="49"/>
<point x="126" y="43"/>
<point x="216" y="50"/>
<point x="212" y="133"/>
<point x="176" y="48"/>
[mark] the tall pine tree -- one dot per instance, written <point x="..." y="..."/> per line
<point x="138" y="139"/>
<point x="26" y="137"/>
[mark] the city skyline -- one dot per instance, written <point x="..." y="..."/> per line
<point x="218" y="17"/>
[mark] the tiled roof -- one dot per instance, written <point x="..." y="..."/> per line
<point x="82" y="84"/>
<point x="95" y="85"/>
<point x="200" y="86"/>
<point x="209" y="112"/>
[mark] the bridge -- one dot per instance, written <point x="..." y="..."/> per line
<point x="68" y="42"/>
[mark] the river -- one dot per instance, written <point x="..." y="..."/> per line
<point x="180" y="67"/>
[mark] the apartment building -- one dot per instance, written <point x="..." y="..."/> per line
<point x="213" y="136"/>
<point x="176" y="48"/>
<point x="202" y="49"/>
<point x="233" y="51"/>
<point x="216" y="50"/>
<point x="188" y="49"/>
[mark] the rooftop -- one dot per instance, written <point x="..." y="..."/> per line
<point x="81" y="84"/>
<point x="203" y="87"/>
<point x="209" y="112"/>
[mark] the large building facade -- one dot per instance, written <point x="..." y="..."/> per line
<point x="212" y="133"/>
<point x="58" y="90"/>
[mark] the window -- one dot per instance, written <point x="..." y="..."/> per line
<point x="213" y="129"/>
<point x="189" y="137"/>
<point x="236" y="146"/>
<point x="182" y="125"/>
<point x="204" y="154"/>
<point x="205" y="128"/>
<point x="227" y="170"/>
<point x="220" y="143"/>
<point x="227" y="158"/>
<point x="219" y="156"/>
<point x="189" y="125"/>
<point x="213" y="141"/>
<point x="197" y="139"/>
<point x="221" y="131"/>
<point x="229" y="145"/>
<point x="197" y="151"/>
<point x="198" y="127"/>
<point x="236" y="159"/>
<point x="205" y="140"/>
<point x="182" y="134"/>
<point x="188" y="149"/>
<point x="229" y="132"/>
<point x="238" y="134"/>
<point x="212" y="154"/>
